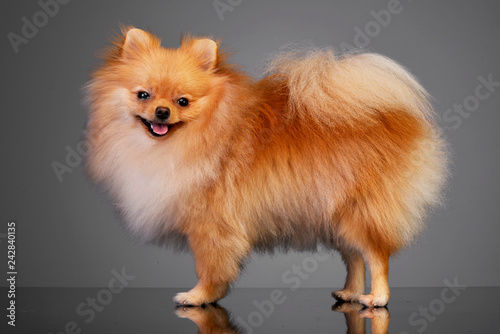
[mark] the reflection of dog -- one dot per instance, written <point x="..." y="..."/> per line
<point x="210" y="318"/>
<point x="213" y="318"/>
<point x="355" y="317"/>
<point x="340" y="152"/>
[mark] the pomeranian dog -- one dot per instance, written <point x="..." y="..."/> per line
<point x="338" y="152"/>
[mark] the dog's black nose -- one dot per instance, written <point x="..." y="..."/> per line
<point x="162" y="113"/>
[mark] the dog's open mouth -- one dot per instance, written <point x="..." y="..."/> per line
<point x="154" y="128"/>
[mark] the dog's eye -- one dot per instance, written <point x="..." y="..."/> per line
<point x="142" y="95"/>
<point x="183" y="102"/>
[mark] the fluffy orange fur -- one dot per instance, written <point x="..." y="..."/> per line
<point x="341" y="152"/>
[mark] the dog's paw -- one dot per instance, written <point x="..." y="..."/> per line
<point x="345" y="295"/>
<point x="373" y="301"/>
<point x="195" y="297"/>
<point x="188" y="299"/>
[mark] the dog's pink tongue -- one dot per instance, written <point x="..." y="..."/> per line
<point x="160" y="129"/>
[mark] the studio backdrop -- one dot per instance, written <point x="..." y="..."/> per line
<point x="67" y="234"/>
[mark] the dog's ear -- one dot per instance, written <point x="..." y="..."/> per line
<point x="136" y="42"/>
<point x="205" y="50"/>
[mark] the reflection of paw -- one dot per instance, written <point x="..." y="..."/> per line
<point x="212" y="312"/>
<point x="194" y="313"/>
<point x="345" y="295"/>
<point x="380" y="319"/>
<point x="373" y="301"/>
<point x="371" y="313"/>
<point x="211" y="318"/>
<point x="185" y="312"/>
<point x="346" y="307"/>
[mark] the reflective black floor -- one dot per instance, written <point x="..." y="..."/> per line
<point x="411" y="310"/>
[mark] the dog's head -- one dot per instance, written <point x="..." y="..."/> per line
<point x="158" y="88"/>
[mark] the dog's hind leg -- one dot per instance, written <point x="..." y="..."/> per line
<point x="355" y="280"/>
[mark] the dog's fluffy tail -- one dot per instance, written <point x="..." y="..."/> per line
<point x="353" y="92"/>
<point x="344" y="90"/>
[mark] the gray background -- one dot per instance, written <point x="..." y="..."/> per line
<point x="67" y="233"/>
